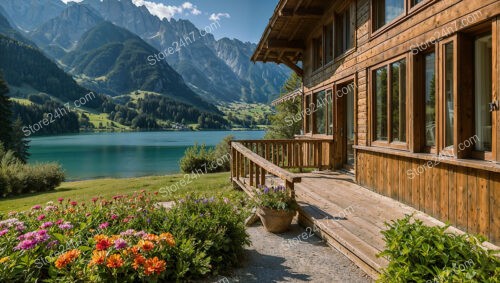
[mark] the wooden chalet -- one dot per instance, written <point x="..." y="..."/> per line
<point x="400" y="115"/>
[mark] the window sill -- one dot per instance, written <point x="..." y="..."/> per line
<point x="392" y="145"/>
<point x="469" y="163"/>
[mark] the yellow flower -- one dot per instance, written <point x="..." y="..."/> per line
<point x="4" y="259"/>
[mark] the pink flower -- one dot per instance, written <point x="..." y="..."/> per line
<point x="50" y="208"/>
<point x="120" y="244"/>
<point x="104" y="225"/>
<point x="58" y="222"/>
<point x="36" y="207"/>
<point x="65" y="226"/>
<point x="87" y="214"/>
<point x="95" y="199"/>
<point x="41" y="217"/>
<point x="74" y="203"/>
<point x="60" y="200"/>
<point x="114" y="216"/>
<point x="31" y="239"/>
<point x="46" y="225"/>
<point x="3" y="232"/>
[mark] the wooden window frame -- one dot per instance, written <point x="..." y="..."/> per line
<point x="418" y="98"/>
<point x="441" y="110"/>
<point x="313" y="115"/>
<point x="325" y="44"/>
<point x="389" y="143"/>
<point x="351" y="9"/>
<point x="409" y="10"/>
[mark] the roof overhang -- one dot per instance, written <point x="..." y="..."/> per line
<point x="284" y="39"/>
<point x="289" y="96"/>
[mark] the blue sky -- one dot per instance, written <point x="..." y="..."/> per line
<point x="241" y="19"/>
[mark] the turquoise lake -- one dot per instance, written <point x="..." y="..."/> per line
<point x="121" y="155"/>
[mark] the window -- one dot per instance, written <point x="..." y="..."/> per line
<point x="384" y="11"/>
<point x="321" y="118"/>
<point x="329" y="111"/>
<point x="317" y="53"/>
<point x="389" y="100"/>
<point x="415" y="2"/>
<point x="343" y="32"/>
<point x="328" y="42"/>
<point x="429" y="80"/>
<point x="449" y="101"/>
<point x="483" y="92"/>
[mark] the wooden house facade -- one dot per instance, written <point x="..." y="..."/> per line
<point x="403" y="93"/>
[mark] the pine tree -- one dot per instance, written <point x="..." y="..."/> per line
<point x="20" y="145"/>
<point x="5" y="114"/>
<point x="286" y="122"/>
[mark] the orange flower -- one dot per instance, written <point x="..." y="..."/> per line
<point x="115" y="261"/>
<point x="66" y="258"/>
<point x="169" y="238"/>
<point x="154" y="265"/>
<point x="139" y="260"/>
<point x="152" y="237"/>
<point x="98" y="258"/>
<point x="145" y="245"/>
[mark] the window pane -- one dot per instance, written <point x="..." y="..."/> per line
<point x="448" y="92"/>
<point x="318" y="52"/>
<point x="398" y="99"/>
<point x="415" y="2"/>
<point x="321" y="105"/>
<point x="308" y="117"/>
<point x="329" y="42"/>
<point x="380" y="114"/>
<point x="387" y="10"/>
<point x="343" y="32"/>
<point x="483" y="94"/>
<point x="430" y="99"/>
<point x="329" y="111"/>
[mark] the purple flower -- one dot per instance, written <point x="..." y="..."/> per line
<point x="31" y="239"/>
<point x="65" y="226"/>
<point x="120" y="244"/>
<point x="46" y="225"/>
<point x="141" y="234"/>
<point x="36" y="207"/>
<point x="3" y="232"/>
<point x="25" y="245"/>
<point x="129" y="232"/>
<point x="52" y="244"/>
<point x="104" y="225"/>
<point x="41" y="217"/>
<point x="266" y="190"/>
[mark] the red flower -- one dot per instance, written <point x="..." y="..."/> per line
<point x="103" y="244"/>
<point x="74" y="203"/>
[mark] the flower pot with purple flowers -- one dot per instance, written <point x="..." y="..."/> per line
<point x="275" y="208"/>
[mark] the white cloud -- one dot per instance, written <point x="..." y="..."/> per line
<point x="163" y="11"/>
<point x="67" y="1"/>
<point x="218" y="16"/>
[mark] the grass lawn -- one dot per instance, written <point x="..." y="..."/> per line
<point x="86" y="190"/>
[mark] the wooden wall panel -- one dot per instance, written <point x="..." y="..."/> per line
<point x="467" y="198"/>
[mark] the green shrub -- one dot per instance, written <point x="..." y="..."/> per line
<point x="200" y="158"/>
<point x="216" y="227"/>
<point x="17" y="178"/>
<point x="419" y="253"/>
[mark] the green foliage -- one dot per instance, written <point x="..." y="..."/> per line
<point x="18" y="178"/>
<point x="202" y="159"/>
<point x="284" y="123"/>
<point x="275" y="198"/>
<point x="216" y="228"/>
<point x="419" y="253"/>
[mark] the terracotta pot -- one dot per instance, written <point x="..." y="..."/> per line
<point x="275" y="221"/>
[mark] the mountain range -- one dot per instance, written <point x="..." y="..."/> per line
<point x="216" y="70"/>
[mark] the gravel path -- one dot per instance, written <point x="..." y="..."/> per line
<point x="296" y="256"/>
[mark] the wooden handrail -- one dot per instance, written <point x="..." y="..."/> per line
<point x="266" y="165"/>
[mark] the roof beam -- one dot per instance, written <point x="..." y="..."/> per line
<point x="313" y="13"/>
<point x="286" y="44"/>
<point x="293" y="66"/>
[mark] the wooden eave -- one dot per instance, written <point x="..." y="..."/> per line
<point x="284" y="39"/>
<point x="289" y="96"/>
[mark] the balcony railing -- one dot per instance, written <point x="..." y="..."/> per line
<point x="254" y="160"/>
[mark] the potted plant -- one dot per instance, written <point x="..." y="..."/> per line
<point x="275" y="208"/>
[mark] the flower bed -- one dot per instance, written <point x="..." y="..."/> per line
<point x="128" y="238"/>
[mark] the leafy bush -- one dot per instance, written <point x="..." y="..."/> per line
<point x="18" y="178"/>
<point x="200" y="158"/>
<point x="419" y="253"/>
<point x="216" y="227"/>
<point x="127" y="238"/>
<point x="275" y="198"/>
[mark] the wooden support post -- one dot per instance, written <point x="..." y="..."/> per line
<point x="290" y="187"/>
<point x="250" y="173"/>
<point x="257" y="175"/>
<point x="262" y="176"/>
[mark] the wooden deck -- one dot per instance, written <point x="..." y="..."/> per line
<point x="349" y="217"/>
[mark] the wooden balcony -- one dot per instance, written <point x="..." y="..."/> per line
<point x="346" y="215"/>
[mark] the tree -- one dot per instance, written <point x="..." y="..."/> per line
<point x="20" y="145"/>
<point x="5" y="114"/>
<point x="286" y="122"/>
